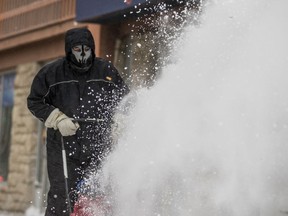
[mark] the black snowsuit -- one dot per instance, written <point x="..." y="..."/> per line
<point x="92" y="94"/>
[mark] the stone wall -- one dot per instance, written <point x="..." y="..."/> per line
<point x="20" y="190"/>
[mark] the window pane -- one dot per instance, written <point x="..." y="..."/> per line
<point x="1" y="94"/>
<point x="8" y="90"/>
<point x="6" y="95"/>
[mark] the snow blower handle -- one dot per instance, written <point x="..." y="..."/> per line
<point x="87" y="120"/>
<point x="65" y="171"/>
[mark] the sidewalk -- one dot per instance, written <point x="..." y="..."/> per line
<point x="10" y="214"/>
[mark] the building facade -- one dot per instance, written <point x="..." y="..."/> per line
<point x="31" y="34"/>
<point x="135" y="35"/>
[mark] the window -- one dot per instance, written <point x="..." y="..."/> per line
<point x="6" y="105"/>
<point x="137" y="59"/>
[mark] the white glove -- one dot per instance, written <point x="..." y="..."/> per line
<point x="59" y="120"/>
<point x="66" y="126"/>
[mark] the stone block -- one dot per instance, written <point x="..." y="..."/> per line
<point x="20" y="96"/>
<point x="20" y="111"/>
<point x="25" y="74"/>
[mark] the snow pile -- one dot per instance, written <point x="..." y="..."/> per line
<point x="210" y="138"/>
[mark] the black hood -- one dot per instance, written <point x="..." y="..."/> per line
<point x="77" y="36"/>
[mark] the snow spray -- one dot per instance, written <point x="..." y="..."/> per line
<point x="210" y="137"/>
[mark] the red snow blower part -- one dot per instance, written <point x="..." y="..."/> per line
<point x="88" y="206"/>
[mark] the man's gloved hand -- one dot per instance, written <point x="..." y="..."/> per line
<point x="66" y="126"/>
<point x="59" y="120"/>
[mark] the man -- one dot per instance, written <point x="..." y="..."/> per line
<point x="78" y="86"/>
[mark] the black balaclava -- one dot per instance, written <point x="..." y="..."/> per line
<point x="82" y="59"/>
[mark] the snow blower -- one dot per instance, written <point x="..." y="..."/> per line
<point x="86" y="205"/>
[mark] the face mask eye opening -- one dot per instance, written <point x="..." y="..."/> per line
<point x="86" y="48"/>
<point x="76" y="49"/>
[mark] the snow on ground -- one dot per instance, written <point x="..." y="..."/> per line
<point x="32" y="211"/>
